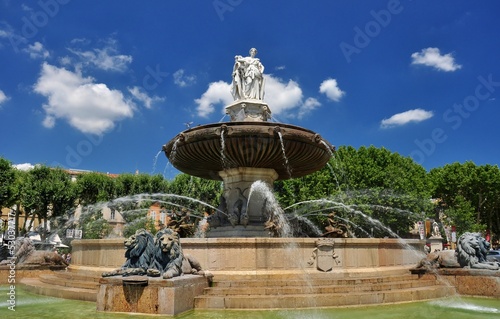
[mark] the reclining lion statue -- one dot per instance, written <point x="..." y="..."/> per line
<point x="139" y="251"/>
<point x="168" y="259"/>
<point x="27" y="255"/>
<point x="156" y="256"/>
<point x="470" y="253"/>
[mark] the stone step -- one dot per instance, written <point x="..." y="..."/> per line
<point x="310" y="274"/>
<point x="311" y="281"/>
<point x="323" y="288"/>
<point x="58" y="279"/>
<point x="35" y="285"/>
<point x="308" y="300"/>
<point x="80" y="276"/>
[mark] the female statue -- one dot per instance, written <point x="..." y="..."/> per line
<point x="248" y="80"/>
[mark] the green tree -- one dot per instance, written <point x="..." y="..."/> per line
<point x="204" y="190"/>
<point x="7" y="179"/>
<point x="93" y="188"/>
<point x="465" y="189"/>
<point x="363" y="187"/>
<point x="47" y="193"/>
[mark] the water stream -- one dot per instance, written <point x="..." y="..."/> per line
<point x="287" y="164"/>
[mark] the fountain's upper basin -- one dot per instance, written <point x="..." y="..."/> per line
<point x="198" y="151"/>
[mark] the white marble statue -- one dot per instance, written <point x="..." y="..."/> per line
<point x="435" y="230"/>
<point x="248" y="80"/>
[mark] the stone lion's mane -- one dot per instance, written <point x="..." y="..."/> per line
<point x="472" y="250"/>
<point x="139" y="253"/>
<point x="167" y="263"/>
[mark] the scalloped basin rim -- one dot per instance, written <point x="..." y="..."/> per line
<point x="198" y="151"/>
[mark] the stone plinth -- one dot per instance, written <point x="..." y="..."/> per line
<point x="473" y="282"/>
<point x="436" y="243"/>
<point x="143" y="294"/>
<point x="248" y="111"/>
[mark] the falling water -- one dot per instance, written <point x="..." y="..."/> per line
<point x="222" y="119"/>
<point x="222" y="147"/>
<point x="327" y="148"/>
<point x="304" y="222"/>
<point x="174" y="150"/>
<point x="272" y="207"/>
<point x="155" y="159"/>
<point x="287" y="165"/>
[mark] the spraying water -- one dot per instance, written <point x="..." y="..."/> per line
<point x="272" y="208"/>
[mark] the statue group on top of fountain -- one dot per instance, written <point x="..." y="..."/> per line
<point x="248" y="79"/>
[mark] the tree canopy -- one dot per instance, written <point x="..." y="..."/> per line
<point x="376" y="192"/>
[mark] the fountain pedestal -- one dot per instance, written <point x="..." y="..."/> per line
<point x="436" y="243"/>
<point x="143" y="294"/>
<point x="237" y="185"/>
<point x="248" y="111"/>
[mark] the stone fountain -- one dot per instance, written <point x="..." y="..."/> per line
<point x="251" y="270"/>
<point x="247" y="149"/>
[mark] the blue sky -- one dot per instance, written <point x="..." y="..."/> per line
<point x="102" y="85"/>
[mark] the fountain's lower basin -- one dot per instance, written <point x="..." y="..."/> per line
<point x="205" y="151"/>
<point x="255" y="254"/>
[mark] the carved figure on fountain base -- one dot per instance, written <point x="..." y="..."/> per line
<point x="324" y="255"/>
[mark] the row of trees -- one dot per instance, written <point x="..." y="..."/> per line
<point x="362" y="187"/>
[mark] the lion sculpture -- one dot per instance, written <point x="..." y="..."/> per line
<point x="470" y="253"/>
<point x="472" y="250"/>
<point x="168" y="260"/>
<point x="27" y="255"/>
<point x="139" y="252"/>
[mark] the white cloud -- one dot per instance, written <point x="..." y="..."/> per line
<point x="106" y="58"/>
<point x="24" y="166"/>
<point x="282" y="98"/>
<point x="3" y="97"/>
<point x="416" y="115"/>
<point x="37" y="51"/>
<point x="183" y="80"/>
<point x="309" y="105"/>
<point x="217" y="93"/>
<point x="432" y="57"/>
<point x="143" y="97"/>
<point x="88" y="106"/>
<point x="331" y="89"/>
